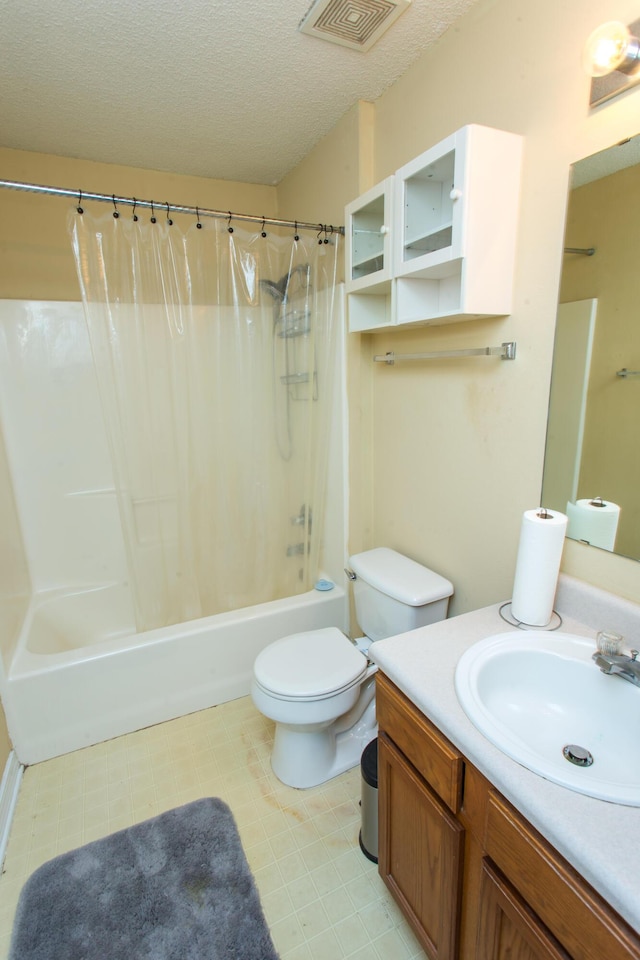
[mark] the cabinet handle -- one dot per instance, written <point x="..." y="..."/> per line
<point x="384" y="229"/>
<point x="455" y="194"/>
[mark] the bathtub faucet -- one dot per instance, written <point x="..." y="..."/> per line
<point x="303" y="517"/>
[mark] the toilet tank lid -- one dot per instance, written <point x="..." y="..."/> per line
<point x="399" y="577"/>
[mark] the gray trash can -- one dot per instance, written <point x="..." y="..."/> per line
<point x="369" y="802"/>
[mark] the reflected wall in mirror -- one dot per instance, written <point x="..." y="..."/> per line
<point x="593" y="434"/>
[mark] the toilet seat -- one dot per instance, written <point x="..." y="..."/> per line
<point x="309" y="666"/>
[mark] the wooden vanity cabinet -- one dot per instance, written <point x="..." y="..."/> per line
<point x="421" y="842"/>
<point x="475" y="880"/>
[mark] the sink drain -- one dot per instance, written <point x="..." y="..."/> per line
<point x="578" y="755"/>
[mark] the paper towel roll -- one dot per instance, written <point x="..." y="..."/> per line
<point x="537" y="566"/>
<point x="596" y="524"/>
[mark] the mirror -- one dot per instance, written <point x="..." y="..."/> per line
<point x="592" y="454"/>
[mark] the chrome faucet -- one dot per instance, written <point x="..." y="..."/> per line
<point x="617" y="664"/>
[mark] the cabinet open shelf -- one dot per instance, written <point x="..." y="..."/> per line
<point x="371" y="309"/>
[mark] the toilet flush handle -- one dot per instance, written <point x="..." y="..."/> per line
<point x="350" y="574"/>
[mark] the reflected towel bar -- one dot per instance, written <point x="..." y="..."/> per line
<point x="581" y="251"/>
<point x="506" y="351"/>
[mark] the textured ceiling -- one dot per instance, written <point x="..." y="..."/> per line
<point x="214" y="88"/>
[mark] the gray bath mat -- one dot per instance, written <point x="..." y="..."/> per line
<point x="177" y="887"/>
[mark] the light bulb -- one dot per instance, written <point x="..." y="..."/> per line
<point x="611" y="47"/>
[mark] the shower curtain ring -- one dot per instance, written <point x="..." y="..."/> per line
<point x="326" y="238"/>
<point x="264" y="233"/>
<point x="135" y="215"/>
<point x="319" y="237"/>
<point x="115" y="208"/>
<point x="296" y="235"/>
<point x="198" y="224"/>
<point x="153" y="216"/>
<point x="229" y="227"/>
<point x="79" y="208"/>
<point x="169" y="220"/>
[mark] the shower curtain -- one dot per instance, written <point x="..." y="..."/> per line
<point x="214" y="349"/>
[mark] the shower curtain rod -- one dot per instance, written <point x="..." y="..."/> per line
<point x="81" y="195"/>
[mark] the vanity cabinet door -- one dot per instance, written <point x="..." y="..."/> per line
<point x="420" y="852"/>
<point x="507" y="928"/>
<point x="572" y="910"/>
<point x="424" y="746"/>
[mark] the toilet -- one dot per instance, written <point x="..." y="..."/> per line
<point x="319" y="686"/>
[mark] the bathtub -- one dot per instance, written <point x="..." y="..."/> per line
<point x="72" y="684"/>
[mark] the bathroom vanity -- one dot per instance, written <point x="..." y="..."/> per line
<point x="485" y="858"/>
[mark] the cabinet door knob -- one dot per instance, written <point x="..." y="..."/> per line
<point x="455" y="194"/>
<point x="384" y="229"/>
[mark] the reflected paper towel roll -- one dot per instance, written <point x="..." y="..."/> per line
<point x="595" y="521"/>
<point x="537" y="566"/>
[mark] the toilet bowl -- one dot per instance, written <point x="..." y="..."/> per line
<point x="319" y="687"/>
<point x="304" y="683"/>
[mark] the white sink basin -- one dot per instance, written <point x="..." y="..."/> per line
<point x="533" y="693"/>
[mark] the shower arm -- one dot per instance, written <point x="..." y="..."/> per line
<point x="80" y="195"/>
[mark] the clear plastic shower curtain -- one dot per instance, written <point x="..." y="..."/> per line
<point x="215" y="354"/>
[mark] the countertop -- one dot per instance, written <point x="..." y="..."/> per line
<point x="598" y="838"/>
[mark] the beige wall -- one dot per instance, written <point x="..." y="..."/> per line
<point x="339" y="169"/>
<point x="604" y="214"/>
<point x="35" y="262"/>
<point x="445" y="457"/>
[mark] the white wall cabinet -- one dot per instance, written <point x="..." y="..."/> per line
<point x="369" y="256"/>
<point x="450" y="250"/>
<point x="369" y="249"/>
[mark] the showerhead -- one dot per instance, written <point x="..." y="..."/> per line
<point x="279" y="289"/>
<point x="274" y="289"/>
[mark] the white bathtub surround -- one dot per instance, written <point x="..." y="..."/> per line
<point x="81" y="675"/>
<point x="75" y="672"/>
<point x="9" y="789"/>
<point x="62" y="473"/>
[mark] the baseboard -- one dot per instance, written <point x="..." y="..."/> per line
<point x="9" y="788"/>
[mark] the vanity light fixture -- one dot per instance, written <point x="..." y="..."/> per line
<point x="612" y="58"/>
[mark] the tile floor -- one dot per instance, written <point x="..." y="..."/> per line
<point x="322" y="898"/>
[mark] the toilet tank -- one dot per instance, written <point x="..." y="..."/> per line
<point x="394" y="594"/>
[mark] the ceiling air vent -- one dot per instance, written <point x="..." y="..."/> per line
<point x="351" y="23"/>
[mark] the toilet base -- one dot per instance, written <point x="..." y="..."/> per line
<point x="307" y="755"/>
